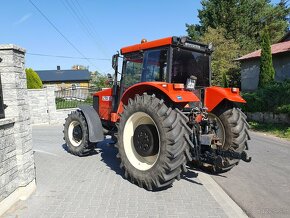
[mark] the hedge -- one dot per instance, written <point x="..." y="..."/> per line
<point x="275" y="97"/>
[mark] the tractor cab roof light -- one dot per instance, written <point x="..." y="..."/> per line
<point x="143" y="41"/>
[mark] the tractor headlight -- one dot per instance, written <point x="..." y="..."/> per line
<point x="190" y="83"/>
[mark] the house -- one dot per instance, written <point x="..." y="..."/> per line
<point x="64" y="79"/>
<point x="250" y="64"/>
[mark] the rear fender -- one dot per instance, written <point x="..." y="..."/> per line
<point x="94" y="124"/>
<point x="215" y="95"/>
<point x="169" y="92"/>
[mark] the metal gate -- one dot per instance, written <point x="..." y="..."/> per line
<point x="2" y="114"/>
<point x="74" y="97"/>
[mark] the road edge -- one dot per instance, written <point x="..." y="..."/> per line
<point x="223" y="199"/>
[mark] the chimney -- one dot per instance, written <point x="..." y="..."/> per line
<point x="58" y="67"/>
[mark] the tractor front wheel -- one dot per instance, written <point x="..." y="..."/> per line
<point x="152" y="142"/>
<point x="76" y="133"/>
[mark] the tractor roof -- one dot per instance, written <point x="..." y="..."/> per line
<point x="162" y="42"/>
<point x="147" y="45"/>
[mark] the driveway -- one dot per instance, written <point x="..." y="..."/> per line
<point x="93" y="186"/>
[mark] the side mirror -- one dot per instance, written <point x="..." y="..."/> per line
<point x="115" y="61"/>
<point x="109" y="76"/>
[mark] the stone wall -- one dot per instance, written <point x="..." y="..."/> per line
<point x="8" y="159"/>
<point x="43" y="108"/>
<point x="38" y="106"/>
<point x="17" y="171"/>
<point x="269" y="117"/>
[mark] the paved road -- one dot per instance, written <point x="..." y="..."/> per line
<point x="262" y="187"/>
<point x="70" y="186"/>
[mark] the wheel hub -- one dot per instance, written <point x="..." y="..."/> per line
<point x="77" y="133"/>
<point x="146" y="142"/>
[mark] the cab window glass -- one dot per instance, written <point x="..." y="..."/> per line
<point x="132" y="73"/>
<point x="155" y="65"/>
<point x="187" y="63"/>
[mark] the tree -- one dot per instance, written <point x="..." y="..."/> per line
<point x="33" y="80"/>
<point x="267" y="71"/>
<point x="194" y="31"/>
<point x="242" y="20"/>
<point x="99" y="81"/>
<point x="225" y="80"/>
<point x="225" y="51"/>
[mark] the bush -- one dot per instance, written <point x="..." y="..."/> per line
<point x="272" y="98"/>
<point x="33" y="80"/>
<point x="285" y="109"/>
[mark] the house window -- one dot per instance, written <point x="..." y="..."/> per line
<point x="2" y="115"/>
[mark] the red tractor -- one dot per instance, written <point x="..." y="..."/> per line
<point x="163" y="113"/>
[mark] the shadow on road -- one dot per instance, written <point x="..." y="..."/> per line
<point x="190" y="175"/>
<point x="88" y="153"/>
<point x="108" y="153"/>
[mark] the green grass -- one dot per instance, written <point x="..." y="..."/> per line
<point x="64" y="104"/>
<point x="279" y="130"/>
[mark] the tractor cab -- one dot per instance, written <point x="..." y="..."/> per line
<point x="170" y="60"/>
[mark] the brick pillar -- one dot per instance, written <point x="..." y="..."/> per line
<point x="16" y="98"/>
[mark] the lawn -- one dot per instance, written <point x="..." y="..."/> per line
<point x="279" y="130"/>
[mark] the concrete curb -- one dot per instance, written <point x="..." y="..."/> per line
<point x="22" y="193"/>
<point x="227" y="204"/>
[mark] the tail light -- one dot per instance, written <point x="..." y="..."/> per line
<point x="235" y="90"/>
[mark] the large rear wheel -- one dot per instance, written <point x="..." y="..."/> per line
<point x="233" y="132"/>
<point x="152" y="142"/>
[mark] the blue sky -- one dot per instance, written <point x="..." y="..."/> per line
<point x="96" y="28"/>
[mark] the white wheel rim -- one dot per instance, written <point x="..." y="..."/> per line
<point x="71" y="127"/>
<point x="139" y="162"/>
<point x="221" y="129"/>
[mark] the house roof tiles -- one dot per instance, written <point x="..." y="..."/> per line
<point x="63" y="75"/>
<point x="275" y="48"/>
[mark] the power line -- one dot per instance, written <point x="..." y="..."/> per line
<point x="83" y="22"/>
<point x="68" y="57"/>
<point x="91" y="26"/>
<point x="66" y="39"/>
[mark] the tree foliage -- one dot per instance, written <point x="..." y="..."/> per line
<point x="225" y="51"/>
<point x="234" y="27"/>
<point x="33" y="80"/>
<point x="267" y="71"/>
<point x="242" y="20"/>
<point x="99" y="81"/>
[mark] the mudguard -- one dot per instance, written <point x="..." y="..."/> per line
<point x="94" y="123"/>
<point x="174" y="92"/>
<point x="215" y="95"/>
